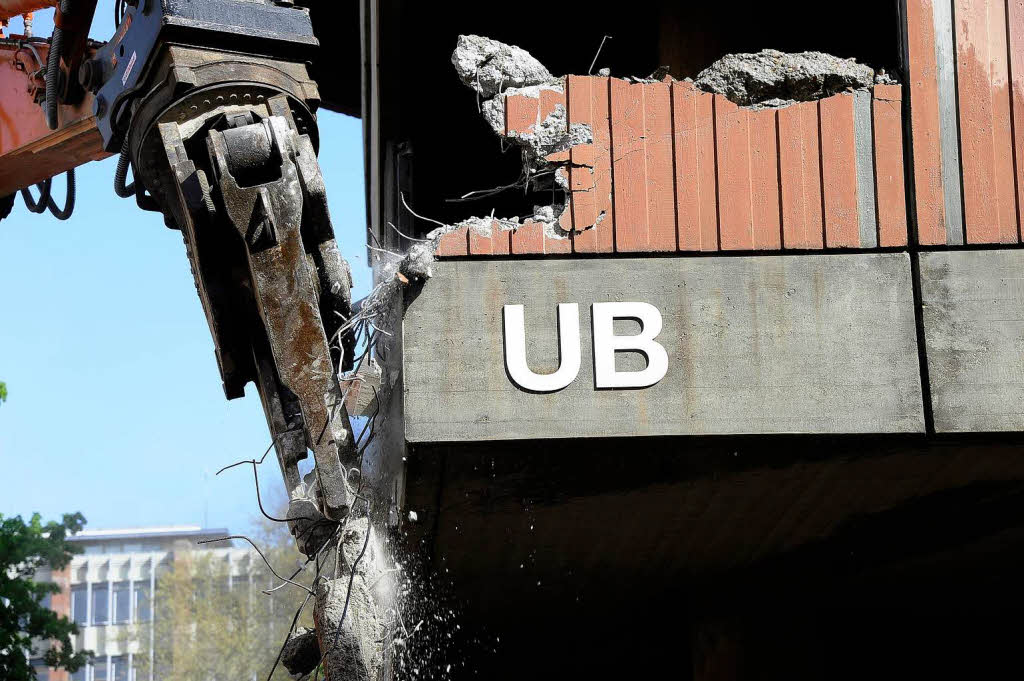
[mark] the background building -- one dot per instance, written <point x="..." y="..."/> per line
<point x="109" y="587"/>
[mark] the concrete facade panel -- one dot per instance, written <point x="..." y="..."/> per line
<point x="766" y="344"/>
<point x="973" y="308"/>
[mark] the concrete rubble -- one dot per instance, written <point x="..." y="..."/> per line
<point x="354" y="610"/>
<point x="497" y="71"/>
<point x="301" y="653"/>
<point x="490" y="67"/>
<point x="770" y="78"/>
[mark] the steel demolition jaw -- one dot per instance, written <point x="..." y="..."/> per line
<point x="223" y="141"/>
<point x="259" y="179"/>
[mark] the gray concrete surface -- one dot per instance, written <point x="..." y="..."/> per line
<point x="767" y="344"/>
<point x="973" y="308"/>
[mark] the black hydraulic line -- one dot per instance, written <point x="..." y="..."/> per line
<point x="69" y="202"/>
<point x="52" y="77"/>
<point x="7" y="204"/>
<point x="121" y="173"/>
<point x="53" y="69"/>
<point x="44" y="197"/>
<point x="35" y="53"/>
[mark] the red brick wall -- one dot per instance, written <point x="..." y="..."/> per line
<point x="61" y="604"/>
<point x="985" y="123"/>
<point x="674" y="169"/>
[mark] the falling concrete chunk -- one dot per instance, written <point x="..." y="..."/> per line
<point x="773" y="78"/>
<point x="489" y="66"/>
<point x="351" y="612"/>
<point x="301" y="653"/>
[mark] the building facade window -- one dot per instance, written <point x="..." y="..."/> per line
<point x="99" y="669"/>
<point x="122" y="602"/>
<point x="120" y="669"/>
<point x="80" y="604"/>
<point x="81" y="674"/>
<point x="42" y="671"/>
<point x="143" y="606"/>
<point x="100" y="604"/>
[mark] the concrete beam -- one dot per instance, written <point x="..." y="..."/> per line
<point x="768" y="344"/>
<point x="973" y="309"/>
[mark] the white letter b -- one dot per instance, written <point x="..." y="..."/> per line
<point x="606" y="343"/>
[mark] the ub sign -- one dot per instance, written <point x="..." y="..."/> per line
<point x="605" y="345"/>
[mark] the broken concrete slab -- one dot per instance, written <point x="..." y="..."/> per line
<point x="489" y="66"/>
<point x="771" y="78"/>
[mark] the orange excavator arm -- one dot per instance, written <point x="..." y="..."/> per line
<point x="30" y="150"/>
<point x="12" y="8"/>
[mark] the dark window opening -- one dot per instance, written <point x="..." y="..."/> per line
<point x="80" y="605"/>
<point x="100" y="604"/>
<point x="437" y="146"/>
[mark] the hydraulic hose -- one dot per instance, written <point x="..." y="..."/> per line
<point x="121" y="173"/>
<point x="44" y="197"/>
<point x="69" y="202"/>
<point x="53" y="69"/>
<point x="45" y="201"/>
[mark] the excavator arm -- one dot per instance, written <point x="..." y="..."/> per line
<point x="211" y="109"/>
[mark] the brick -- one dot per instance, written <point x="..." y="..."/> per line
<point x="732" y="141"/>
<point x="990" y="212"/>
<point x="549" y="101"/>
<point x="839" y="171"/>
<point x="556" y="245"/>
<point x="696" y="189"/>
<point x="661" y="207"/>
<point x="454" y="243"/>
<point x="629" y="166"/>
<point x="1015" y="23"/>
<point x="800" y="176"/>
<point x="764" y="180"/>
<point x="501" y="240"/>
<point x="521" y="113"/>
<point x="528" y="239"/>
<point x="590" y="177"/>
<point x="498" y="242"/>
<point x="887" y="122"/>
<point x="924" y="123"/>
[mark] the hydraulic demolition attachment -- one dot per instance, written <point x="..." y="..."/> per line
<point x="210" y="104"/>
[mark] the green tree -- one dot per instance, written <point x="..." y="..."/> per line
<point x="207" y="627"/>
<point x="27" y="626"/>
<point x="3" y="392"/>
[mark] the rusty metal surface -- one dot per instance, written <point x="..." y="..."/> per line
<point x="249" y="199"/>
<point x="268" y="217"/>
<point x="226" y="148"/>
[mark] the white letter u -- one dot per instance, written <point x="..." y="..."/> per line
<point x="568" y="349"/>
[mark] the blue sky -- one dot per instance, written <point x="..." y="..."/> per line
<point x="116" y="408"/>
